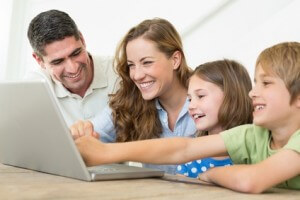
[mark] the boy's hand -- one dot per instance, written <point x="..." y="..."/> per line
<point x="82" y="128"/>
<point x="90" y="149"/>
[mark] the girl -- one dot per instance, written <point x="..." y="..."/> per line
<point x="218" y="95"/>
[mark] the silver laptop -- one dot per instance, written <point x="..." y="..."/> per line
<point x="34" y="135"/>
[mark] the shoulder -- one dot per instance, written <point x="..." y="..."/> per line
<point x="247" y="130"/>
<point x="294" y="141"/>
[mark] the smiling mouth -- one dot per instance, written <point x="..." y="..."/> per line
<point x="198" y="116"/>
<point x="75" y="75"/>
<point x="146" y="85"/>
<point x="258" y="107"/>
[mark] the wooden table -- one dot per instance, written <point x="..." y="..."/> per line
<point x="16" y="183"/>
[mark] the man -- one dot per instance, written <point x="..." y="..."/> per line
<point x="81" y="82"/>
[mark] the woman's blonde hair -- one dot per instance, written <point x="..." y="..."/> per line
<point x="284" y="60"/>
<point x="135" y="118"/>
<point x="236" y="108"/>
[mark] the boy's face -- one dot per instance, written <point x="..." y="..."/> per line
<point x="271" y="101"/>
<point x="205" y="101"/>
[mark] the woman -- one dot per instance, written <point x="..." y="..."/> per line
<point x="152" y="99"/>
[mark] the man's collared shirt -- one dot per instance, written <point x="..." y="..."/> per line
<point x="75" y="107"/>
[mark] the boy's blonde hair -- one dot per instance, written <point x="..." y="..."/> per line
<point x="283" y="60"/>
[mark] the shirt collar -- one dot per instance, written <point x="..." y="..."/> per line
<point x="183" y="111"/>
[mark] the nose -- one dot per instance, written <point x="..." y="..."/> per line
<point x="137" y="73"/>
<point x="71" y="66"/>
<point x="253" y="92"/>
<point x="192" y="104"/>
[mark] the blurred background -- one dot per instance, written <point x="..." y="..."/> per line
<point x="210" y="30"/>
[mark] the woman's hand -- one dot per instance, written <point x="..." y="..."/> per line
<point x="82" y="128"/>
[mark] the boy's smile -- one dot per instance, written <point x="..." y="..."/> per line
<point x="271" y="101"/>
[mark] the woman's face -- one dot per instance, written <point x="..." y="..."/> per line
<point x="205" y="101"/>
<point x="150" y="69"/>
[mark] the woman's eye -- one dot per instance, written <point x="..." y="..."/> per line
<point x="147" y="62"/>
<point x="129" y="65"/>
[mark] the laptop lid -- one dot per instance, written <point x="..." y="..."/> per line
<point x="34" y="135"/>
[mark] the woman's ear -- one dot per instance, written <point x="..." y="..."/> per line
<point x="176" y="58"/>
<point x="297" y="101"/>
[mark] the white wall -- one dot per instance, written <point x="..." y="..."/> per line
<point x="210" y="30"/>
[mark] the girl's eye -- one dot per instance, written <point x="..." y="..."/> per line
<point x="189" y="99"/>
<point x="200" y="96"/>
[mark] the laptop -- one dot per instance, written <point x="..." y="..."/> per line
<point x="34" y="135"/>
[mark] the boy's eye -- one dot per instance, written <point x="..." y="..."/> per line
<point x="265" y="83"/>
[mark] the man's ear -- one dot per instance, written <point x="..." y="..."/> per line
<point x="82" y="39"/>
<point x="176" y="57"/>
<point x="38" y="59"/>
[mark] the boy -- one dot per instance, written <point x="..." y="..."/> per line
<point x="271" y="145"/>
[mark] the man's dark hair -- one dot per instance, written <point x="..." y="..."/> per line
<point x="50" y="26"/>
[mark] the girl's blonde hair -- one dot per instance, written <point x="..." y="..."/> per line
<point x="134" y="117"/>
<point x="284" y="60"/>
<point x="236" y="108"/>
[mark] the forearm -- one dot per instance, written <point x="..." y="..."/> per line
<point x="258" y="177"/>
<point x="156" y="151"/>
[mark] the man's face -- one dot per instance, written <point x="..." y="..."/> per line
<point x="68" y="62"/>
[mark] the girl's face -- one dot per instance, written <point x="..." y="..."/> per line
<point x="151" y="70"/>
<point x="205" y="101"/>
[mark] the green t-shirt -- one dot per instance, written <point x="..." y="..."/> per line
<point x="250" y="144"/>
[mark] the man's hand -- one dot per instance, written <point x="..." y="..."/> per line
<point x="82" y="128"/>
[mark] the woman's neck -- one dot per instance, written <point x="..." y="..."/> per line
<point x="172" y="101"/>
<point x="174" y="98"/>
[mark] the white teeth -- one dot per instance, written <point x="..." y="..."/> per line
<point x="259" y="107"/>
<point x="74" y="76"/>
<point x="196" y="116"/>
<point x="147" y="84"/>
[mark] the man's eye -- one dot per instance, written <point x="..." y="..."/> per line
<point x="56" y="62"/>
<point x="76" y="53"/>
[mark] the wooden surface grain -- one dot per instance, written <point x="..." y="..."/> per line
<point x="16" y="183"/>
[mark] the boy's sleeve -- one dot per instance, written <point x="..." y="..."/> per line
<point x="235" y="140"/>
<point x="294" y="142"/>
